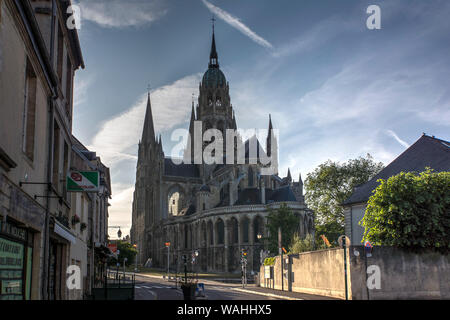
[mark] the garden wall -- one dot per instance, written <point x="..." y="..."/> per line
<point x="402" y="274"/>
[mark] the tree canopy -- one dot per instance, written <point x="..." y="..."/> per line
<point x="287" y="221"/>
<point x="329" y="185"/>
<point x="126" y="251"/>
<point x="410" y="210"/>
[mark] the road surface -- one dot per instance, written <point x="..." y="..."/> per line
<point x="159" y="289"/>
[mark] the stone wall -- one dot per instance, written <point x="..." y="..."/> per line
<point x="403" y="274"/>
<point x="318" y="272"/>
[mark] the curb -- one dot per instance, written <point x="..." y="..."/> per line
<point x="266" y="294"/>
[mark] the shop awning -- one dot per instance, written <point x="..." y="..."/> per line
<point x="62" y="231"/>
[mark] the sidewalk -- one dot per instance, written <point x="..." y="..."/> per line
<point x="251" y="288"/>
<point x="282" y="294"/>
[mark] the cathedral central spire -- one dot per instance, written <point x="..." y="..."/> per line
<point x="213" y="57"/>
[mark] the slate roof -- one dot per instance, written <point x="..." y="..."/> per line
<point x="249" y="196"/>
<point x="284" y="193"/>
<point x="180" y="170"/>
<point x="425" y="152"/>
<point x="253" y="196"/>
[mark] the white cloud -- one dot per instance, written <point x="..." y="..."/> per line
<point x="121" y="207"/>
<point x="119" y="13"/>
<point x="396" y="137"/>
<point x="170" y="106"/>
<point x="80" y="88"/>
<point x="237" y="23"/>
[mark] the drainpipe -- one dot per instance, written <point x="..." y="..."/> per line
<point x="51" y="100"/>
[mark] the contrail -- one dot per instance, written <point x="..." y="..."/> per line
<point x="236" y="23"/>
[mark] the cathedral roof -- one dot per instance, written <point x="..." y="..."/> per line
<point x="180" y="170"/>
<point x="280" y="195"/>
<point x="214" y="78"/>
<point x="253" y="195"/>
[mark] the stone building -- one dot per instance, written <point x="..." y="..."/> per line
<point x="91" y="230"/>
<point x="39" y="55"/>
<point x="212" y="209"/>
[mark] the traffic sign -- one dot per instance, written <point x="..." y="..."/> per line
<point x="167" y="244"/>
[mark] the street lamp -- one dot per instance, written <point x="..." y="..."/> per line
<point x="135" y="259"/>
<point x="119" y="233"/>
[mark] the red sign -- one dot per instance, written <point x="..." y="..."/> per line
<point x="167" y="244"/>
<point x="76" y="176"/>
<point x="112" y="247"/>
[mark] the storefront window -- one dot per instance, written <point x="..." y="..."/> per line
<point x="15" y="263"/>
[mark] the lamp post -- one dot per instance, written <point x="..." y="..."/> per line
<point x="135" y="260"/>
<point x="259" y="237"/>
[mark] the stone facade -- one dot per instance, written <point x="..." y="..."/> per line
<point x="39" y="56"/>
<point x="214" y="209"/>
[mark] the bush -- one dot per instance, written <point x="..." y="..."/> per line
<point x="410" y="210"/>
<point x="269" y="261"/>
<point x="299" y="245"/>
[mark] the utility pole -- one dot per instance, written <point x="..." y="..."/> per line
<point x="244" y="267"/>
<point x="280" y="251"/>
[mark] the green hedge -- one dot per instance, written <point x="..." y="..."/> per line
<point x="410" y="210"/>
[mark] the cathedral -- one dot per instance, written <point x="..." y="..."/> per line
<point x="209" y="211"/>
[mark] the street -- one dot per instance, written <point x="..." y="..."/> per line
<point x="158" y="289"/>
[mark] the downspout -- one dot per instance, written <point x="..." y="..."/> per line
<point x="49" y="165"/>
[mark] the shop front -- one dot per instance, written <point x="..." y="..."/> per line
<point x="16" y="261"/>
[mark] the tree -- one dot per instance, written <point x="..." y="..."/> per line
<point x="285" y="219"/>
<point x="126" y="251"/>
<point x="410" y="210"/>
<point x="330" y="185"/>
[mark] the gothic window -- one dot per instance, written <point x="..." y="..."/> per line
<point x="173" y="207"/>
<point x="234" y="231"/>
<point x="203" y="234"/>
<point x="218" y="102"/>
<point x="250" y="177"/>
<point x="220" y="231"/>
<point x="185" y="237"/>
<point x="245" y="225"/>
<point x="210" y="101"/>
<point x="175" y="200"/>
<point x="210" y="231"/>
<point x="258" y="228"/>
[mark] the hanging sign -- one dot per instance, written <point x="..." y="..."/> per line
<point x="83" y="181"/>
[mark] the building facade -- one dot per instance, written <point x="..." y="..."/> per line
<point x="39" y="55"/>
<point x="214" y="210"/>
<point x="89" y="220"/>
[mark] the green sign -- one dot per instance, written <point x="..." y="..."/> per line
<point x="11" y="254"/>
<point x="11" y="286"/>
<point x="83" y="181"/>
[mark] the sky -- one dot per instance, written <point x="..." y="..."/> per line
<point x="334" y="88"/>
